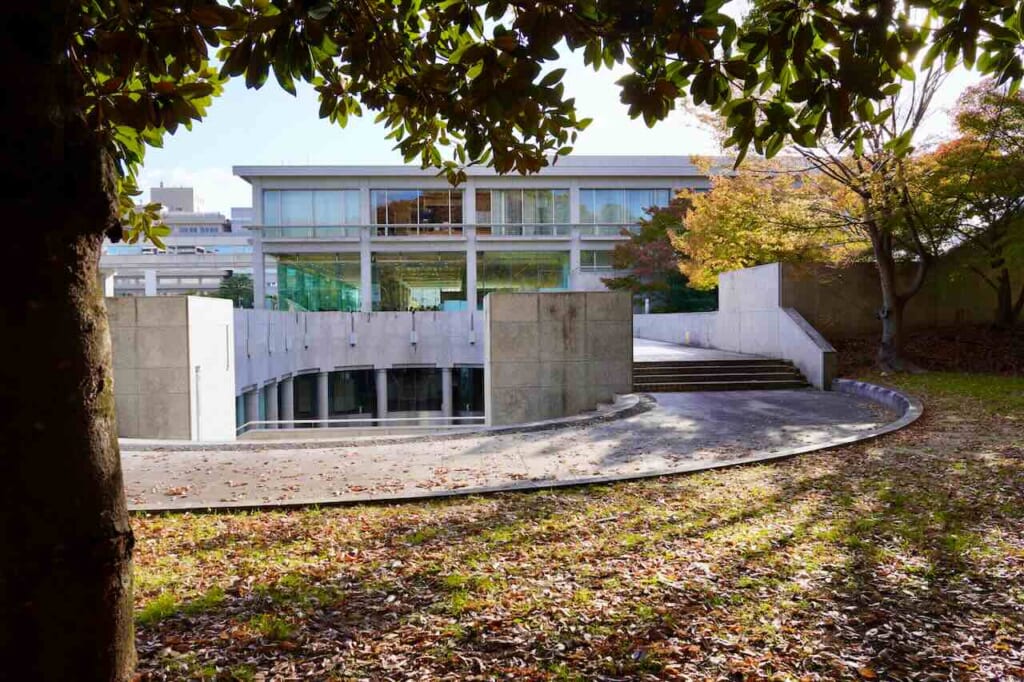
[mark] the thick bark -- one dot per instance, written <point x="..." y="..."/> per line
<point x="65" y="539"/>
<point x="891" y="355"/>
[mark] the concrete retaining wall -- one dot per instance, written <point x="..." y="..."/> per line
<point x="173" y="367"/>
<point x="271" y="344"/>
<point x="844" y="302"/>
<point x="550" y="355"/>
<point x="750" y="319"/>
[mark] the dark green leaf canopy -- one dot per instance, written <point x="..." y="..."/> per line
<point x="460" y="82"/>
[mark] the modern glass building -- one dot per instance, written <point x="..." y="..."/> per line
<point x="399" y="239"/>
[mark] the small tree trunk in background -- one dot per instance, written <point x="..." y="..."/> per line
<point x="65" y="539"/>
<point x="1005" y="316"/>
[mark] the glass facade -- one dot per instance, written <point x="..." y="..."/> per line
<point x="414" y="389"/>
<point x="353" y="394"/>
<point x="419" y="281"/>
<point x="301" y="208"/>
<point x="408" y="207"/>
<point x="521" y="271"/>
<point x="619" y="206"/>
<point x="318" y="282"/>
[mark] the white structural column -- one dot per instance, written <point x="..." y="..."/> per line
<point x="259" y="271"/>
<point x="287" y="390"/>
<point x="446" y="391"/>
<point x="575" y="244"/>
<point x="252" y="405"/>
<point x="365" y="270"/>
<point x="382" y="393"/>
<point x="323" y="403"/>
<point x="469" y="220"/>
<point x="471" y="268"/>
<point x="108" y="283"/>
<point x="271" y="397"/>
<point x="150" y="279"/>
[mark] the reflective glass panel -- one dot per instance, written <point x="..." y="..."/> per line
<point x="318" y="282"/>
<point x="521" y="271"/>
<point x="419" y="281"/>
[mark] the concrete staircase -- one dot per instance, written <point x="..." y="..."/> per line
<point x="715" y="375"/>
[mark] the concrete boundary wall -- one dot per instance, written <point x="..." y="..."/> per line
<point x="750" y="319"/>
<point x="174" y="373"/>
<point x="550" y="355"/>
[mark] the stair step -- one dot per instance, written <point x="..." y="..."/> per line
<point x="710" y="363"/>
<point x="719" y="376"/>
<point x="737" y="369"/>
<point x="682" y="387"/>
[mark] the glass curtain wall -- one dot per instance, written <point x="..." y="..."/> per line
<point x="318" y="282"/>
<point x="618" y="207"/>
<point x="521" y="271"/>
<point x="414" y="389"/>
<point x="416" y="211"/>
<point x="419" y="281"/>
<point x="302" y="213"/>
<point x="522" y="212"/>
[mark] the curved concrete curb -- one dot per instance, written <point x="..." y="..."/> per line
<point x="625" y="406"/>
<point x="909" y="409"/>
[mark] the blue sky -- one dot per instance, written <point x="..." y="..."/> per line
<point x="271" y="127"/>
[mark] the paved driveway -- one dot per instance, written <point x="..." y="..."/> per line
<point x="683" y="432"/>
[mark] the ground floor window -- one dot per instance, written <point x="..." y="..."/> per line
<point x="419" y="281"/>
<point x="304" y="387"/>
<point x="318" y="282"/>
<point x="414" y="389"/>
<point x="467" y="391"/>
<point x="352" y="393"/>
<point x="521" y="271"/>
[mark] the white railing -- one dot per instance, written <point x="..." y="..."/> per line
<point x="492" y="230"/>
<point x="398" y="422"/>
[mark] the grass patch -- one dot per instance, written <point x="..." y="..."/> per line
<point x="901" y="557"/>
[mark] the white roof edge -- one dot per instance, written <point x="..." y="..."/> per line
<point x="595" y="166"/>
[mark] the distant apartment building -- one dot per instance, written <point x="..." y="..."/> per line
<point x="202" y="249"/>
<point x="399" y="238"/>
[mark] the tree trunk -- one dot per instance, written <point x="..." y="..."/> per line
<point x="890" y="349"/>
<point x="1006" y="309"/>
<point x="65" y="539"/>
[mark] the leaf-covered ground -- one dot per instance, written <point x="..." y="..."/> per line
<point x="897" y="559"/>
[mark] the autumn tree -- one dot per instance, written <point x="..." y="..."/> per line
<point x="650" y="264"/>
<point x="91" y="83"/>
<point x="980" y="176"/>
<point x="763" y="213"/>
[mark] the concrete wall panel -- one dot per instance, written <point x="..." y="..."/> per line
<point x="576" y="352"/>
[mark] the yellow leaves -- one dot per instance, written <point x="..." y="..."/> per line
<point x="766" y="213"/>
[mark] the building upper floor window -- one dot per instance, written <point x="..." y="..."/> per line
<point x="416" y="206"/>
<point x="310" y="207"/>
<point x="596" y="260"/>
<point x="522" y="206"/>
<point x="619" y="206"/>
